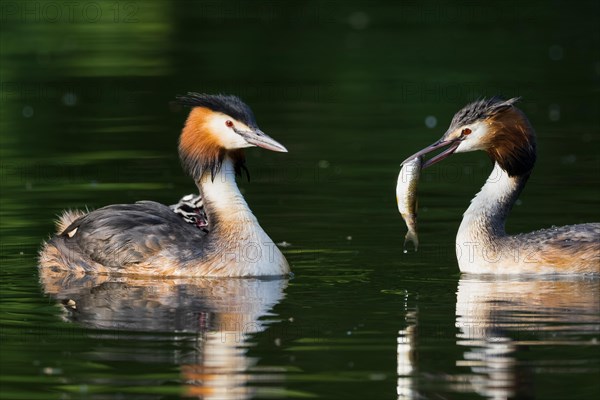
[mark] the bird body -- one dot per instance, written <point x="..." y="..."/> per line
<point x="149" y="238"/>
<point x="497" y="127"/>
<point x="482" y="245"/>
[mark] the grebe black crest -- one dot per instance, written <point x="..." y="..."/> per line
<point x="213" y="233"/>
<point x="499" y="128"/>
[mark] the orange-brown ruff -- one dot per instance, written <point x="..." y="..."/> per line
<point x="149" y="238"/>
<point x="497" y="127"/>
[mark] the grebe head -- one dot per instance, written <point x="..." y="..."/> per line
<point x="219" y="126"/>
<point x="493" y="125"/>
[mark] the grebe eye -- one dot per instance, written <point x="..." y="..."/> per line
<point x="466" y="131"/>
<point x="229" y="123"/>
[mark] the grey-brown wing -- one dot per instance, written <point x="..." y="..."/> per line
<point x="565" y="246"/>
<point x="121" y="234"/>
<point x="578" y="240"/>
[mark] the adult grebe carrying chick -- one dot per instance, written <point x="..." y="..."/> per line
<point x="503" y="131"/>
<point x="152" y="239"/>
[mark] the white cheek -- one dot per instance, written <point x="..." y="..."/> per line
<point x="226" y="135"/>
<point x="467" y="145"/>
<point x="474" y="141"/>
<point x="232" y="140"/>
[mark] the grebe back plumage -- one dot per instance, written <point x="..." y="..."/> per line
<point x="499" y="128"/>
<point x="150" y="238"/>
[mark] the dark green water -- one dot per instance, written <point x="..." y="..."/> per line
<point x="347" y="87"/>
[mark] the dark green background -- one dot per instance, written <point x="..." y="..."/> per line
<point x="346" y="86"/>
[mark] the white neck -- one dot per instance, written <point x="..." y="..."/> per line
<point x="222" y="198"/>
<point x="482" y="229"/>
<point x="237" y="242"/>
<point x="491" y="206"/>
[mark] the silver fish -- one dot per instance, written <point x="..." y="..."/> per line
<point x="406" y="196"/>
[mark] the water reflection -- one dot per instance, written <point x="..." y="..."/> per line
<point x="500" y="321"/>
<point x="208" y="322"/>
<point x="406" y="358"/>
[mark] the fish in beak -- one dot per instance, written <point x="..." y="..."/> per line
<point x="450" y="146"/>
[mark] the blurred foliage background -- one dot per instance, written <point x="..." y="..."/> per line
<point x="349" y="87"/>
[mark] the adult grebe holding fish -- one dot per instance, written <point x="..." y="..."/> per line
<point x="503" y="131"/>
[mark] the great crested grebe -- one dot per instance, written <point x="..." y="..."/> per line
<point x="499" y="128"/>
<point x="223" y="239"/>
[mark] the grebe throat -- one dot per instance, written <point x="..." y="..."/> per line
<point x="489" y="209"/>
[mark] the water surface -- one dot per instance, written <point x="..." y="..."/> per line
<point x="351" y="89"/>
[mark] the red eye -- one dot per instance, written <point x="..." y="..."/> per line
<point x="466" y="131"/>
<point x="229" y="124"/>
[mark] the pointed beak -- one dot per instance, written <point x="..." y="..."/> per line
<point x="258" y="138"/>
<point x="450" y="145"/>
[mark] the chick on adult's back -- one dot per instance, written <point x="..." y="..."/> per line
<point x="150" y="238"/>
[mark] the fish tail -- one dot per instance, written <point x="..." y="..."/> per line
<point x="411" y="236"/>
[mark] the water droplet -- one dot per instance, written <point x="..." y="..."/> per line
<point x="27" y="111"/>
<point x="555" y="52"/>
<point x="359" y="20"/>
<point x="430" y="121"/>
<point x="554" y="112"/>
<point x="51" y="371"/>
<point x="69" y="99"/>
<point x="323" y="164"/>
